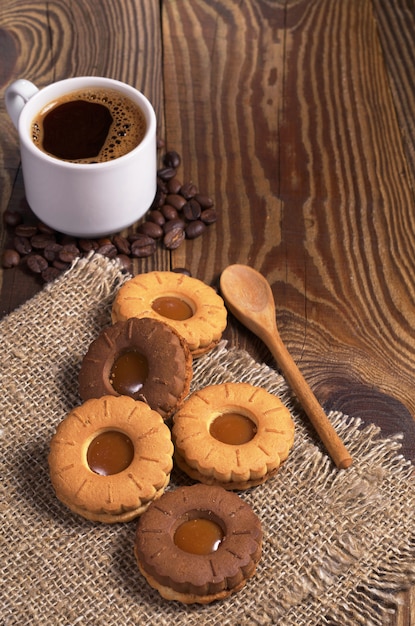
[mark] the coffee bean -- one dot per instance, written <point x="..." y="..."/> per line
<point x="157" y="217"/>
<point x="22" y="245"/>
<point x="174" y="238"/>
<point x="195" y="229"/>
<point x="175" y="200"/>
<point x="86" y="245"/>
<point x="104" y="241"/>
<point x="166" y="173"/>
<point x="151" y="229"/>
<point x="169" y="212"/>
<point x="51" y="251"/>
<point x="12" y="218"/>
<point x="174" y="185"/>
<point x="122" y="244"/>
<point x="61" y="265"/>
<point x="49" y="274"/>
<point x="139" y="239"/>
<point x="192" y="210"/>
<point x="68" y="253"/>
<point x="125" y="262"/>
<point x="172" y="159"/>
<point x="182" y="270"/>
<point x="41" y="240"/>
<point x="107" y="249"/>
<point x="205" y="201"/>
<point x="159" y="199"/>
<point x="188" y="190"/>
<point x="10" y="258"/>
<point x="25" y="230"/>
<point x="172" y="224"/>
<point x="36" y="263"/>
<point x="209" y="216"/>
<point x="143" y="251"/>
<point x="142" y="246"/>
<point x="162" y="186"/>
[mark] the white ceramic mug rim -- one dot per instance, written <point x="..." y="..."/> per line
<point x="67" y="85"/>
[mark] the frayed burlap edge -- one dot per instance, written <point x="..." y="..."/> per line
<point x="338" y="545"/>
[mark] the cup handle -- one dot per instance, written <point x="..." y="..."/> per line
<point x="17" y="94"/>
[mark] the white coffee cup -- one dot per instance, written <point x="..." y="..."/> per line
<point x="84" y="200"/>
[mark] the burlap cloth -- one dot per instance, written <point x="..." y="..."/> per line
<point x="337" y="544"/>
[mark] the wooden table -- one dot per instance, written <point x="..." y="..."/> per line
<point x="298" y="117"/>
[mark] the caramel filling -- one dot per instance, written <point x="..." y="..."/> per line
<point x="129" y="373"/>
<point x="172" y="308"/>
<point x="109" y="453"/>
<point x="233" y="428"/>
<point x="198" y="536"/>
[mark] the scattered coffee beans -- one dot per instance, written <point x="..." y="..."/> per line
<point x="179" y="211"/>
<point x="37" y="263"/>
<point x="195" y="229"/>
<point x="10" y="258"/>
<point x="174" y="237"/>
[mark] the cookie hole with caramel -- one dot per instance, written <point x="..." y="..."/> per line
<point x="233" y="428"/>
<point x="129" y="372"/>
<point x="199" y="532"/>
<point x="173" y="307"/>
<point x="110" y="452"/>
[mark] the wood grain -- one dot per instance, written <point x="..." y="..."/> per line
<point x="326" y="176"/>
<point x="347" y="200"/>
<point x="298" y="117"/>
<point x="395" y="24"/>
<point x="223" y="115"/>
<point x="288" y="108"/>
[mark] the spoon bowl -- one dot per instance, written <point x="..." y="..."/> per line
<point x="249" y="298"/>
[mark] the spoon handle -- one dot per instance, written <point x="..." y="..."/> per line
<point x="309" y="402"/>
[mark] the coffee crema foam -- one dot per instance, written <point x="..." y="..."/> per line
<point x="126" y="131"/>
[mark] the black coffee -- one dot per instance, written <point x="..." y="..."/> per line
<point x="89" y="126"/>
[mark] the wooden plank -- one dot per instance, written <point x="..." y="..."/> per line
<point x="395" y="23"/>
<point x="223" y="92"/>
<point x="286" y="114"/>
<point x="221" y="86"/>
<point x="347" y="205"/>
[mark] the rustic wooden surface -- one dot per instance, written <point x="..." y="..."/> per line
<point x="298" y="117"/>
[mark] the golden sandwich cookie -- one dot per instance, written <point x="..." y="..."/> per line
<point x="234" y="434"/>
<point x="109" y="458"/>
<point x="187" y="304"/>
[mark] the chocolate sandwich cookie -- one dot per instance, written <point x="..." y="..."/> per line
<point x="198" y="544"/>
<point x="187" y="304"/>
<point x="142" y="358"/>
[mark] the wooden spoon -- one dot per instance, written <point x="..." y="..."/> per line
<point x="249" y="297"/>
